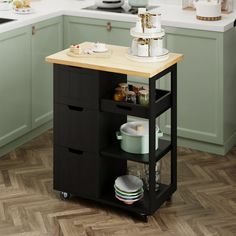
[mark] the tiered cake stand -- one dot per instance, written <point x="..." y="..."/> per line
<point x="162" y="55"/>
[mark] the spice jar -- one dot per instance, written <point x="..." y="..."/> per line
<point x="123" y="86"/>
<point x="143" y="97"/>
<point x="119" y="95"/>
<point x="130" y="97"/>
<point x="136" y="88"/>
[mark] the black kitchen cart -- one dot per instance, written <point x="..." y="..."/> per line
<point x="87" y="156"/>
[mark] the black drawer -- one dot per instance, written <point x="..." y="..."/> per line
<point x="83" y="87"/>
<point x="76" y="86"/>
<point x="76" y="127"/>
<point x="76" y="172"/>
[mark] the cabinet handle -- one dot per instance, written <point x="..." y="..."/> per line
<point x="119" y="1"/>
<point x="33" y="30"/>
<point x="78" y="152"/>
<point x="74" y="108"/>
<point x="124" y="107"/>
<point x="109" y="27"/>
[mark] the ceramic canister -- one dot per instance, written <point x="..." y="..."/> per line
<point x="156" y="22"/>
<point x="138" y="27"/>
<point x="143" y="50"/>
<point x="134" y="47"/>
<point x="154" y="47"/>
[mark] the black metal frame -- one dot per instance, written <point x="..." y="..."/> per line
<point x="153" y="204"/>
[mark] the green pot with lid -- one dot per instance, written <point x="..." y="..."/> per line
<point x="134" y="137"/>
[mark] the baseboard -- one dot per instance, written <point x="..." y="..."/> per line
<point x="25" y="138"/>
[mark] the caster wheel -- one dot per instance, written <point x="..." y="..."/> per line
<point x="169" y="199"/>
<point x="64" y="195"/>
<point x="144" y="218"/>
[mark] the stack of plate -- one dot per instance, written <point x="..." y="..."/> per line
<point x="128" y="189"/>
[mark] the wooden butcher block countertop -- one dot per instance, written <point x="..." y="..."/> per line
<point x="117" y="62"/>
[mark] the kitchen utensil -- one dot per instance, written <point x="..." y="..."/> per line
<point x="130" y="97"/>
<point x="128" y="183"/>
<point x="139" y="192"/>
<point x="134" y="46"/>
<point x="143" y="97"/>
<point x="128" y="202"/>
<point x="134" y="141"/>
<point x="208" y="10"/>
<point x="143" y="50"/>
<point x="156" y="21"/>
<point x="157" y="176"/>
<point x="138" y="27"/>
<point x="99" y="47"/>
<point x="119" y="95"/>
<point x="5" y="5"/>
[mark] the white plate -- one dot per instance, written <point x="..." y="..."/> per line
<point x="163" y="57"/>
<point x="23" y="11"/>
<point x="147" y="35"/>
<point x="129" y="202"/>
<point x="129" y="183"/>
<point x="99" y="50"/>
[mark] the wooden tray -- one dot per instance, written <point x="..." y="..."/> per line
<point x="93" y="55"/>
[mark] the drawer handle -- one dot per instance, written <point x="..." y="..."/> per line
<point x="75" y="108"/>
<point x="109" y="27"/>
<point x="72" y="150"/>
<point x="124" y="107"/>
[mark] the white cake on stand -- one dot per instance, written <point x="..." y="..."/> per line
<point x="147" y="45"/>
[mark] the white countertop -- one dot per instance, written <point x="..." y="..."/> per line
<point x="172" y="15"/>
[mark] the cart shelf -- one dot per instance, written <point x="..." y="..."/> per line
<point x="162" y="103"/>
<point x="141" y="206"/>
<point x="115" y="151"/>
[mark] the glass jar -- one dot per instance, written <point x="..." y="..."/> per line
<point x="143" y="97"/>
<point x="130" y="97"/>
<point x="145" y="176"/>
<point x="123" y="86"/>
<point x="119" y="95"/>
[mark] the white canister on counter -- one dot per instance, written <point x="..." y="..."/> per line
<point x="143" y="50"/>
<point x="156" y="22"/>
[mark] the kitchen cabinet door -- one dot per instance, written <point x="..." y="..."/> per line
<point x="80" y="29"/>
<point x="46" y="40"/>
<point x="15" y="91"/>
<point x="200" y="84"/>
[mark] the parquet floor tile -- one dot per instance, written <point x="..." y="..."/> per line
<point x="204" y="204"/>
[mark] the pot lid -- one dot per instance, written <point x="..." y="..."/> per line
<point x="136" y="128"/>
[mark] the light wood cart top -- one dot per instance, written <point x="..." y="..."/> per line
<point x="117" y="62"/>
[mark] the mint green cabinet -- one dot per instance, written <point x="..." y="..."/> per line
<point x="15" y="90"/>
<point x="46" y="40"/>
<point x="79" y="29"/>
<point x="206" y="85"/>
<point x="26" y="81"/>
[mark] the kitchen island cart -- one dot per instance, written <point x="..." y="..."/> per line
<point x="87" y="156"/>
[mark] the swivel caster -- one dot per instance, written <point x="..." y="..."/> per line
<point x="64" y="196"/>
<point x="169" y="199"/>
<point x="143" y="217"/>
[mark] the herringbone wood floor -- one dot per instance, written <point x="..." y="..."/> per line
<point x="205" y="203"/>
